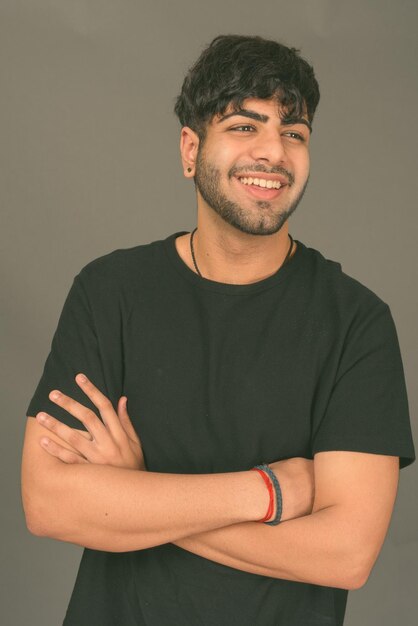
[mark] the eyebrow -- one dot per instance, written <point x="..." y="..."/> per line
<point x="259" y="117"/>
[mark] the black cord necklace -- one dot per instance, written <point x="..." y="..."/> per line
<point x="194" y="258"/>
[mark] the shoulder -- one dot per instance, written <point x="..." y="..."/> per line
<point x="122" y="266"/>
<point x="117" y="279"/>
<point x="117" y="262"/>
<point x="341" y="291"/>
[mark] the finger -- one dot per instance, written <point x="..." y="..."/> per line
<point x="87" y="417"/>
<point x="77" y="440"/>
<point x="54" y="449"/>
<point x="102" y="402"/>
<point x="126" y="420"/>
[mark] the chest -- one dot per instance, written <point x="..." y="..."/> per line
<point x="218" y="388"/>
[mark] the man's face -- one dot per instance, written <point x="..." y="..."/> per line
<point x="243" y="160"/>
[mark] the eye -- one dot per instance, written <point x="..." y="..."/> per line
<point x="295" y="135"/>
<point x="246" y="126"/>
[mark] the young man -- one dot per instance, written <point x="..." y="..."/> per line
<point x="235" y="346"/>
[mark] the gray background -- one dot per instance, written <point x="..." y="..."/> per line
<point x="90" y="163"/>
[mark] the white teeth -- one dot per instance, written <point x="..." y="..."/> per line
<point x="262" y="182"/>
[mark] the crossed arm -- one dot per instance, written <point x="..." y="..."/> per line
<point x="91" y="488"/>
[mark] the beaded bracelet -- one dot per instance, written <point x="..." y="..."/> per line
<point x="265" y="468"/>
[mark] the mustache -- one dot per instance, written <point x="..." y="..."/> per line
<point x="255" y="168"/>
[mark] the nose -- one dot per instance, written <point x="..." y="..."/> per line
<point x="268" y="146"/>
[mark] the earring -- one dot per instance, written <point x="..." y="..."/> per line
<point x="189" y="169"/>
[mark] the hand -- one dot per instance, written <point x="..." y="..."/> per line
<point x="111" y="442"/>
<point x="297" y="484"/>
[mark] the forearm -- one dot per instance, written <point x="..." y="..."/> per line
<point x="316" y="549"/>
<point x="114" y="509"/>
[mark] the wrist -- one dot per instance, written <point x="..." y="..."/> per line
<point x="258" y="500"/>
<point x="275" y="509"/>
<point x="296" y="478"/>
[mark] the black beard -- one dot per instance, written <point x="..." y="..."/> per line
<point x="207" y="181"/>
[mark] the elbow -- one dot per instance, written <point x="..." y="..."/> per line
<point x="359" y="573"/>
<point x="366" y="559"/>
<point x="38" y="516"/>
<point x="346" y="571"/>
<point x="346" y="580"/>
<point x="363" y="573"/>
<point x="359" y="581"/>
<point x="29" y="510"/>
<point x="35" y="528"/>
<point x="35" y="522"/>
<point x="350" y="582"/>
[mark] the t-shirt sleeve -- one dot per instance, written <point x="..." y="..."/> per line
<point x="74" y="349"/>
<point x="368" y="406"/>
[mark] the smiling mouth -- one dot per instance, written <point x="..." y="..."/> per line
<point x="261" y="183"/>
<point x="262" y="188"/>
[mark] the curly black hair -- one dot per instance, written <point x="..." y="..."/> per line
<point x="236" y="67"/>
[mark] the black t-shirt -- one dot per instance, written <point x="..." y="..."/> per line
<point x="219" y="378"/>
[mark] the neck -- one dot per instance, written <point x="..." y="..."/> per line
<point x="225" y="254"/>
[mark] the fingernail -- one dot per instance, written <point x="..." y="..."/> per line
<point x="41" y="417"/>
<point x="82" y="378"/>
<point x="55" y="395"/>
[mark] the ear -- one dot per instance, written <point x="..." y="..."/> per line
<point x="189" y="144"/>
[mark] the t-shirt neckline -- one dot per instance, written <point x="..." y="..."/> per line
<point x="228" y="288"/>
